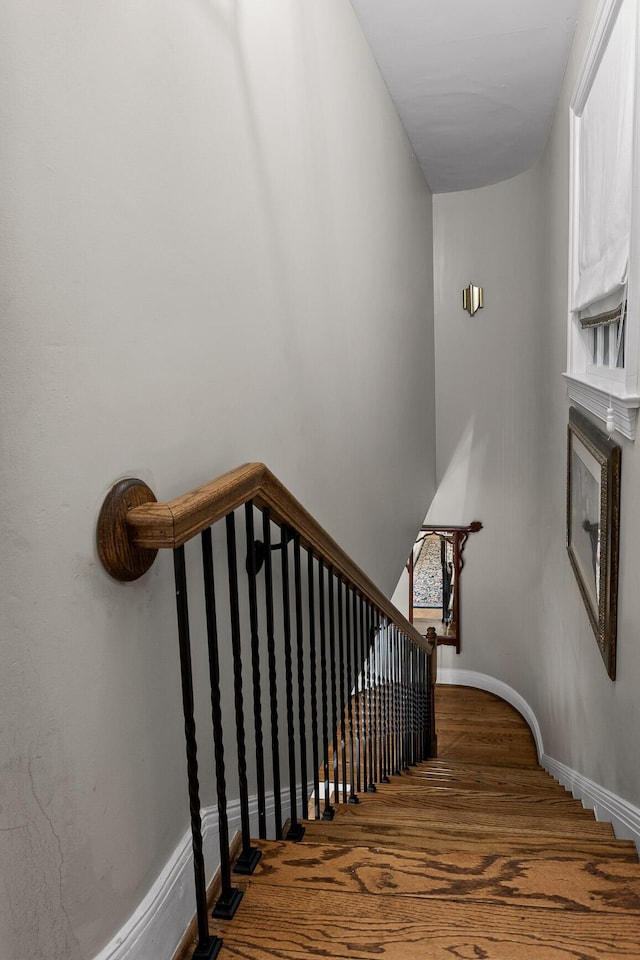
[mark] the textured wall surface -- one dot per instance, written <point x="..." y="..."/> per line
<point x="218" y="248"/>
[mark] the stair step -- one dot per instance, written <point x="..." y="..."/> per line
<point x="425" y="794"/>
<point x="474" y="777"/>
<point x="429" y="817"/>
<point x="278" y="922"/>
<point x="489" y="750"/>
<point x="457" y="805"/>
<point x="482" y="773"/>
<point x="449" y="837"/>
<point x="546" y="880"/>
<point x="502" y="784"/>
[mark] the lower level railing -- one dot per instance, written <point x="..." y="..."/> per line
<point x="299" y="642"/>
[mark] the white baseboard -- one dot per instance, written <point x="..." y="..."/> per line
<point x="155" y="929"/>
<point x="607" y="806"/>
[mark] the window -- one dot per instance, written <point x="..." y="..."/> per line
<point x="604" y="288"/>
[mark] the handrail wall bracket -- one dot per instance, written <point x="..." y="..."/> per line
<point x="121" y="557"/>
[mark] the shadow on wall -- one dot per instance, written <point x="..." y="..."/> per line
<point x="456" y="501"/>
<point x="456" y="498"/>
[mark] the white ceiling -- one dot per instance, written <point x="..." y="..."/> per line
<point x="475" y="82"/>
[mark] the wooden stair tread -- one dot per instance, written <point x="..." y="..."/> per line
<point x="426" y="794"/>
<point x="452" y="837"/>
<point x="477" y="776"/>
<point x="463" y="767"/>
<point x="274" y="923"/>
<point x="488" y="750"/>
<point x="551" y="881"/>
<point x="552" y="828"/>
<point x="380" y="809"/>
<point x="482" y="773"/>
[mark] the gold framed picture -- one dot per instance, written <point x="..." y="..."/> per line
<point x="593" y="523"/>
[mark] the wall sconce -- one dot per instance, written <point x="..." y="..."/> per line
<point x="473" y="298"/>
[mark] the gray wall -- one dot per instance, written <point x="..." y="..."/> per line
<point x="502" y="418"/>
<point x="489" y="425"/>
<point x="218" y="247"/>
<point x="590" y="723"/>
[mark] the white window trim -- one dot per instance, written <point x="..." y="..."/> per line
<point x="584" y="385"/>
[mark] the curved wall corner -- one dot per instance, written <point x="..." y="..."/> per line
<point x="482" y="681"/>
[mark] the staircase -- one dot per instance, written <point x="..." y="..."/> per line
<point x="478" y="854"/>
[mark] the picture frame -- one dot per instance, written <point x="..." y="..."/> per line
<point x="593" y="524"/>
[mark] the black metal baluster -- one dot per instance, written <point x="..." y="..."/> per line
<point x="414" y="705"/>
<point x="328" y="812"/>
<point x="419" y="718"/>
<point x="375" y="663"/>
<point x="371" y="788"/>
<point x="416" y="708"/>
<point x="334" y="692"/>
<point x="390" y="755"/>
<point x="403" y="703"/>
<point x="249" y="856"/>
<point x="208" y="946"/>
<point x="343" y="704"/>
<point x="353" y="798"/>
<point x="313" y="680"/>
<point x="356" y="673"/>
<point x="419" y="714"/>
<point x="230" y="897"/>
<point x="395" y="761"/>
<point x="363" y="687"/>
<point x="296" y="830"/>
<point x="407" y="688"/>
<point x="384" y="649"/>
<point x="273" y="676"/>
<point x="390" y="699"/>
<point x="410" y="702"/>
<point x="399" y="704"/>
<point x="368" y="665"/>
<point x="407" y="693"/>
<point x="302" y="726"/>
<point x="255" y="670"/>
<point x="382" y="639"/>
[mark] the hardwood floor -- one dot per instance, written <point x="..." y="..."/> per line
<point x="478" y="854"/>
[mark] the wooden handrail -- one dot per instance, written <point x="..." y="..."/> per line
<point x="155" y="526"/>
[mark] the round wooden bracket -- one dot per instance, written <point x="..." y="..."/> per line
<point x="119" y="554"/>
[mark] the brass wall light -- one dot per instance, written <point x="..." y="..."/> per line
<point x="473" y="298"/>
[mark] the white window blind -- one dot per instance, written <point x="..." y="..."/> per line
<point x="605" y="174"/>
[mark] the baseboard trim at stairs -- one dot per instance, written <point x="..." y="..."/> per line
<point x="624" y="817"/>
<point x="156" y="928"/>
<point x="607" y="806"/>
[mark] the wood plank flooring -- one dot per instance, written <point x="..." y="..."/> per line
<point x="478" y="855"/>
